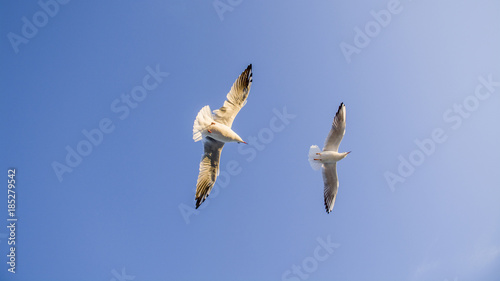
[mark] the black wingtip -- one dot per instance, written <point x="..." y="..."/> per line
<point x="340" y="107"/>
<point x="249" y="73"/>
<point x="338" y="110"/>
<point x="326" y="207"/>
<point x="199" y="201"/>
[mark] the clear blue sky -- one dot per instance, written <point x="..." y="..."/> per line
<point x="430" y="75"/>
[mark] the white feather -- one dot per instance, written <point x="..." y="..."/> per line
<point x="202" y="121"/>
<point x="315" y="164"/>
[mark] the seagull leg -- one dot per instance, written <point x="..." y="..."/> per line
<point x="317" y="159"/>
<point x="318" y="153"/>
<point x="213" y="123"/>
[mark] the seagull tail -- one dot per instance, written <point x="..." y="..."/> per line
<point x="202" y="121"/>
<point x="315" y="164"/>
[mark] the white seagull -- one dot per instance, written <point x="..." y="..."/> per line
<point x="329" y="157"/>
<point x="215" y="130"/>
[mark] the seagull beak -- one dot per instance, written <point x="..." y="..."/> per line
<point x="348" y="152"/>
<point x="244" y="142"/>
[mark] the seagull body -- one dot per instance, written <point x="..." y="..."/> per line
<point x="206" y="126"/>
<point x="328" y="158"/>
<point x="214" y="129"/>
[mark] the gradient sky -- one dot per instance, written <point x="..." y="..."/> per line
<point x="125" y="212"/>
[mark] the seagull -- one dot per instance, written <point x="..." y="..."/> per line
<point x="328" y="158"/>
<point x="214" y="130"/>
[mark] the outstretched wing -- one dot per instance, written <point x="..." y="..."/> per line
<point x="236" y="98"/>
<point x="337" y="132"/>
<point x="209" y="169"/>
<point x="331" y="185"/>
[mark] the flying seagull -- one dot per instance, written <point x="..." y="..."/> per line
<point x="215" y="130"/>
<point x="328" y="158"/>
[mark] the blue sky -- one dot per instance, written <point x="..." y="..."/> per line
<point x="418" y="195"/>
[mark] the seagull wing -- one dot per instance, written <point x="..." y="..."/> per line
<point x="337" y="132"/>
<point x="331" y="185"/>
<point x="236" y="98"/>
<point x="209" y="169"/>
